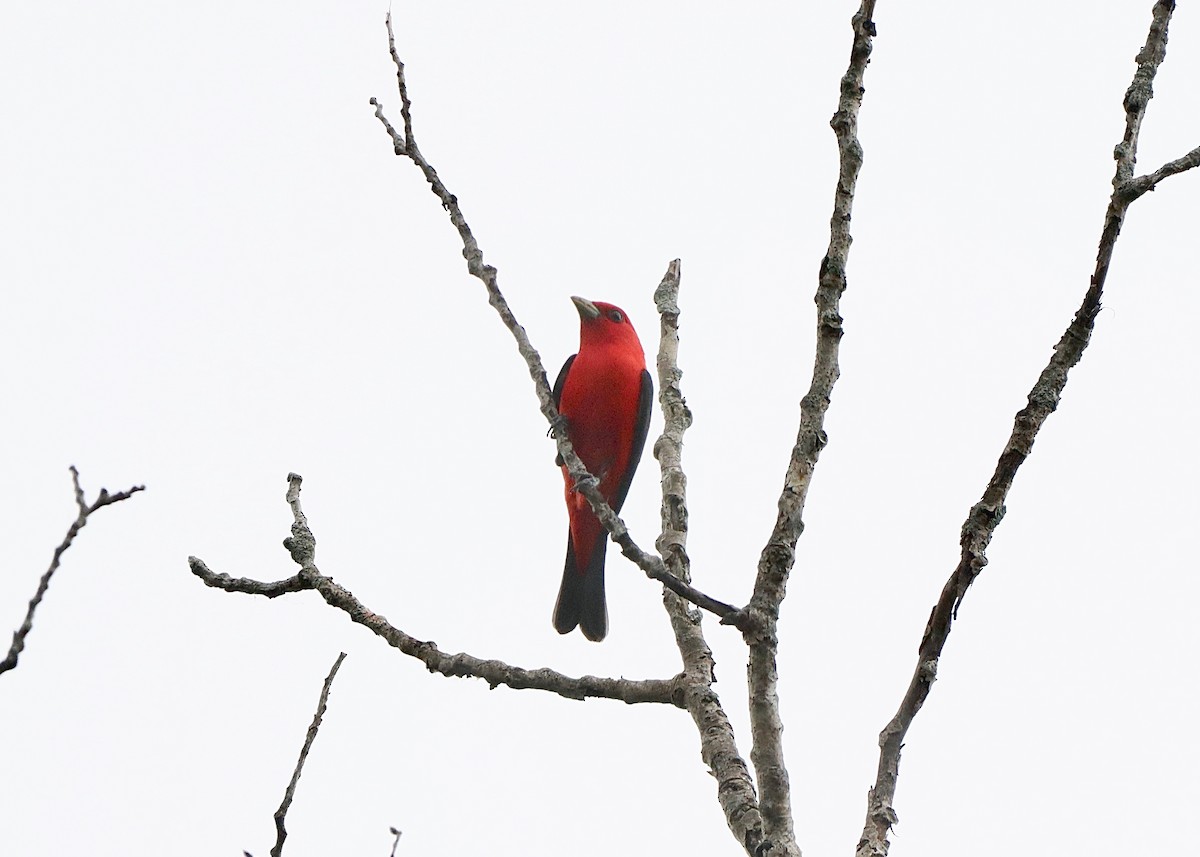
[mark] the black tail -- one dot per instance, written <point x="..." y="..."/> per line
<point x="581" y="595"/>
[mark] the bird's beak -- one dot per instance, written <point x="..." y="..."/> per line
<point x="587" y="309"/>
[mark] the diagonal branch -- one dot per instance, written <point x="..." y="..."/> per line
<point x="718" y="745"/>
<point x="85" y="511"/>
<point x="405" y="145"/>
<point x="1043" y="399"/>
<point x="290" y="792"/>
<point x="778" y="556"/>
<point x="303" y="546"/>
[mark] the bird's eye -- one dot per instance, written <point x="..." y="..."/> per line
<point x="615" y="315"/>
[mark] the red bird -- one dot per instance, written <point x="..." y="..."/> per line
<point x="605" y="393"/>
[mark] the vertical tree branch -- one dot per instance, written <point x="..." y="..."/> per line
<point x="677" y="419"/>
<point x="718" y="745"/>
<point x="779" y="554"/>
<point x="85" y="511"/>
<point x="1043" y="399"/>
<point x="281" y="813"/>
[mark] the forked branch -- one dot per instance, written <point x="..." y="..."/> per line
<point x="1043" y="399"/>
<point x="302" y="545"/>
<point x="86" y="510"/>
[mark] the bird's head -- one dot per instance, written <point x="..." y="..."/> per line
<point x="604" y="324"/>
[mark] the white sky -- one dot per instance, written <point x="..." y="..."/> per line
<point x="215" y="271"/>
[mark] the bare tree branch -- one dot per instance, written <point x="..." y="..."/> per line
<point x="777" y="558"/>
<point x="85" y="511"/>
<point x="677" y="418"/>
<point x="405" y="145"/>
<point x="302" y="546"/>
<point x="281" y="813"/>
<point x="247" y="585"/>
<point x="718" y="745"/>
<point x="1043" y="399"/>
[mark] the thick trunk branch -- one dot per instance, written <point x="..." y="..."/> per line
<point x="718" y="745"/>
<point x="778" y="556"/>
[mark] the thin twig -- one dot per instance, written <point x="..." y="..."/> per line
<point x="1043" y="399"/>
<point x="281" y="813"/>
<point x="247" y="585"/>
<point x="85" y="511"/>
<point x="405" y="145"/>
<point x="777" y="558"/>
<point x="718" y="745"/>
<point x="302" y="545"/>
<point x="396" y="841"/>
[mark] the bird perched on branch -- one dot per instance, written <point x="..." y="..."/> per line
<point x="605" y="393"/>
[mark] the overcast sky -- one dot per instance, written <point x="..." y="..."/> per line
<point x="215" y="272"/>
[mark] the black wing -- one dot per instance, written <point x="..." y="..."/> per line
<point x="556" y="393"/>
<point x="640" y="430"/>
<point x="562" y="379"/>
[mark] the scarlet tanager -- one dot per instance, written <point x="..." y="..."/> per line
<point x="605" y="393"/>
